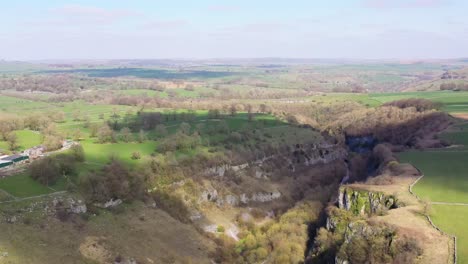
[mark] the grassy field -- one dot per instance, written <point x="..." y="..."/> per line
<point x="454" y="220"/>
<point x="453" y="102"/>
<point x="26" y="139"/>
<point x="446" y="180"/>
<point x="22" y="186"/>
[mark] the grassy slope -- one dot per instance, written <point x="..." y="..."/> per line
<point x="148" y="235"/>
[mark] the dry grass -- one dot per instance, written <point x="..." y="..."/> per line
<point x="463" y="116"/>
<point x="147" y="235"/>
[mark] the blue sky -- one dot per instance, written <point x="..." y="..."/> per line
<point x="117" y="29"/>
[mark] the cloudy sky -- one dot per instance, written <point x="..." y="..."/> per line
<point x="120" y="29"/>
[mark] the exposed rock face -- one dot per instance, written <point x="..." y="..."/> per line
<point x="78" y="207"/>
<point x="111" y="203"/>
<point x="265" y="197"/>
<point x="306" y="156"/>
<point x="231" y="200"/>
<point x="209" y="195"/>
<point x="365" y="202"/>
<point x="235" y="200"/>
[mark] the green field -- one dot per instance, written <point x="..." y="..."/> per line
<point x="22" y="186"/>
<point x="446" y="180"/>
<point x="453" y="102"/>
<point x="453" y="219"/>
<point x="445" y="174"/>
<point x="26" y="139"/>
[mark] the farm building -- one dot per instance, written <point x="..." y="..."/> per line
<point x="5" y="163"/>
<point x="15" y="158"/>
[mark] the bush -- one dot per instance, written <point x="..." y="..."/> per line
<point x="172" y="204"/>
<point x="136" y="155"/>
<point x="220" y="229"/>
<point x="114" y="181"/>
<point x="78" y="153"/>
<point x="46" y="171"/>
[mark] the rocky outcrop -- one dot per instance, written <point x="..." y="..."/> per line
<point x="306" y="156"/>
<point x="235" y="200"/>
<point x="361" y="202"/>
<point x="109" y="204"/>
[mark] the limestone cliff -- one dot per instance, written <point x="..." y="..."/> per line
<point x="362" y="202"/>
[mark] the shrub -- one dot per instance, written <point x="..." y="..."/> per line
<point x="220" y="229"/>
<point x="172" y="204"/>
<point x="114" y="181"/>
<point x="46" y="171"/>
<point x="78" y="153"/>
<point x="136" y="155"/>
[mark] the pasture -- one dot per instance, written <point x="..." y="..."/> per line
<point x="453" y="102"/>
<point x="26" y="139"/>
<point x="453" y="219"/>
<point x="446" y="180"/>
<point x="23" y="186"/>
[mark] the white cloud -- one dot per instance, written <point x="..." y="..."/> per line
<point x="92" y="14"/>
<point x="385" y="4"/>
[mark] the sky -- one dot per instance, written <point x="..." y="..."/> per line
<point x="198" y="29"/>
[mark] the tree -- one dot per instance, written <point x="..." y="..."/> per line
<point x="6" y="127"/>
<point x="58" y="117"/>
<point x="87" y="121"/>
<point x="214" y="114"/>
<point x="78" y="153"/>
<point x="185" y="128"/>
<point x="161" y="130"/>
<point x="52" y="142"/>
<point x="249" y="112"/>
<point x="46" y="170"/>
<point x="105" y="134"/>
<point x="126" y="134"/>
<point x="263" y="108"/>
<point x="113" y="181"/>
<point x="93" y="129"/>
<point x="12" y="141"/>
<point x="233" y="110"/>
<point x="136" y="155"/>
<point x="77" y="134"/>
<point x="76" y="115"/>
<point x="142" y="136"/>
<point x="128" y="116"/>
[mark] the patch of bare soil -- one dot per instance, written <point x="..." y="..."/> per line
<point x="460" y="115"/>
<point x="411" y="221"/>
<point x="93" y="248"/>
